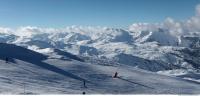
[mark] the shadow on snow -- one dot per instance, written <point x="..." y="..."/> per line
<point x="15" y="52"/>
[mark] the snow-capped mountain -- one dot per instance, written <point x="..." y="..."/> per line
<point x="152" y="50"/>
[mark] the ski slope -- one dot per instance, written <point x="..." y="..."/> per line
<point x="29" y="72"/>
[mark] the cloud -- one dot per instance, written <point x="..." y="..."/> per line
<point x="29" y="31"/>
<point x="198" y="10"/>
<point x="144" y="27"/>
<point x="5" y="30"/>
<point x="176" y="28"/>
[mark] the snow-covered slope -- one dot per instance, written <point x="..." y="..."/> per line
<point x="29" y="72"/>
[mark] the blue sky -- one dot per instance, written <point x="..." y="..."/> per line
<point x="112" y="13"/>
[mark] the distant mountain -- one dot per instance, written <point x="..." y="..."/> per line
<point x="153" y="50"/>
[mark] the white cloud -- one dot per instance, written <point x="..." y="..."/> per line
<point x="5" y="30"/>
<point x="176" y="28"/>
<point x="29" y="31"/>
<point x="136" y="27"/>
<point x="198" y="10"/>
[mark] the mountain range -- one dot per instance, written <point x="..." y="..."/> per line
<point x="156" y="52"/>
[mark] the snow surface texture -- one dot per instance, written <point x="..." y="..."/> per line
<point x="29" y="72"/>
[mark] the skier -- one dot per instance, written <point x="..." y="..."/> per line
<point x="83" y="93"/>
<point x="84" y="85"/>
<point x="116" y="75"/>
<point x="177" y="43"/>
<point x="6" y="59"/>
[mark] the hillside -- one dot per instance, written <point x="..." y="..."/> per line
<point x="30" y="72"/>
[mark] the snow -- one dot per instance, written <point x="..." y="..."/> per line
<point x="130" y="81"/>
<point x="176" y="72"/>
<point x="151" y="50"/>
<point x="37" y="49"/>
<point x="153" y="43"/>
<point x="143" y="54"/>
<point x="41" y="75"/>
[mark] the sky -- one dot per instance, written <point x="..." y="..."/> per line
<point x="111" y="13"/>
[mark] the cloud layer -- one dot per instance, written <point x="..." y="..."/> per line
<point x="176" y="28"/>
